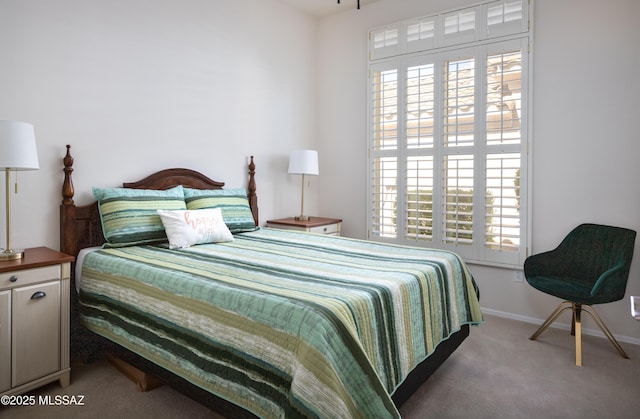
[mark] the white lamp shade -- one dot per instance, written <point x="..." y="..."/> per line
<point x="18" y="149"/>
<point x="304" y="162"/>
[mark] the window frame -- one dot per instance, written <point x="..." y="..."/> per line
<point x="438" y="50"/>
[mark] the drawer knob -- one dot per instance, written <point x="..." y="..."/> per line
<point x="37" y="295"/>
<point x="13" y="278"/>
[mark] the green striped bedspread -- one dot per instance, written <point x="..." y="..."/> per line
<point x="282" y="323"/>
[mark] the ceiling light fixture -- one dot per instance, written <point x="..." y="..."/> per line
<point x="358" y="4"/>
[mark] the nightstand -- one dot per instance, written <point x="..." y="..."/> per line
<point x="321" y="225"/>
<point x="34" y="320"/>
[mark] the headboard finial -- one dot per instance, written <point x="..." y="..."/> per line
<point x="67" y="185"/>
<point x="251" y="191"/>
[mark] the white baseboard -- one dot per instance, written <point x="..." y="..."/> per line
<point x="557" y="325"/>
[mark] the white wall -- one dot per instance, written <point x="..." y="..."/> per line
<point x="585" y="141"/>
<point x="140" y="85"/>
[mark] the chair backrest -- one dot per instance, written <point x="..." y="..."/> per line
<point x="591" y="249"/>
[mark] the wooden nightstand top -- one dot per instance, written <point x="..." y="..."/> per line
<point x="34" y="258"/>
<point x="311" y="222"/>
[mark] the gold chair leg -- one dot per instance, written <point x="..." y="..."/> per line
<point x="577" y="329"/>
<point x="594" y="314"/>
<point x="551" y="319"/>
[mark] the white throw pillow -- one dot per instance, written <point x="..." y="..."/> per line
<point x="185" y="228"/>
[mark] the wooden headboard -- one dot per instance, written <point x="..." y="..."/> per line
<point x="80" y="226"/>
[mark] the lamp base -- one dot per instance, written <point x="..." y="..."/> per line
<point x="11" y="254"/>
<point x="302" y="218"/>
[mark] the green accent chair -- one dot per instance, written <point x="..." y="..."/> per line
<point x="590" y="266"/>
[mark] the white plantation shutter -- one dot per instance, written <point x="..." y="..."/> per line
<point x="505" y="151"/>
<point x="460" y="27"/>
<point x="419" y="134"/>
<point x="421" y="34"/>
<point x="384" y="42"/>
<point x="458" y="200"/>
<point x="418" y="222"/>
<point x="504" y="97"/>
<point x="448" y="132"/>
<point x="420" y="105"/>
<point x="459" y="102"/>
<point x="502" y="215"/>
<point x="458" y="140"/>
<point x="506" y="17"/>
<point x="384" y="197"/>
<point x="384" y="109"/>
<point x="384" y="92"/>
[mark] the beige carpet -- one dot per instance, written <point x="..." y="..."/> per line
<point x="496" y="373"/>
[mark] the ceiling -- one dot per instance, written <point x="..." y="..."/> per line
<point x="320" y="8"/>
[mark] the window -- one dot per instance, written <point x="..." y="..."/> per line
<point x="448" y="115"/>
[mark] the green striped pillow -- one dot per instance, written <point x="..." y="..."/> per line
<point x="233" y="203"/>
<point x="130" y="216"/>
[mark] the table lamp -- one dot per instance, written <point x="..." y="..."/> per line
<point x="17" y="152"/>
<point x="303" y="162"/>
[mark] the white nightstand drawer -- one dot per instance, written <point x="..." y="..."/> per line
<point x="333" y="229"/>
<point x="29" y="276"/>
<point x="318" y="225"/>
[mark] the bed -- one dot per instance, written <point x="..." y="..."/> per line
<point x="267" y="323"/>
